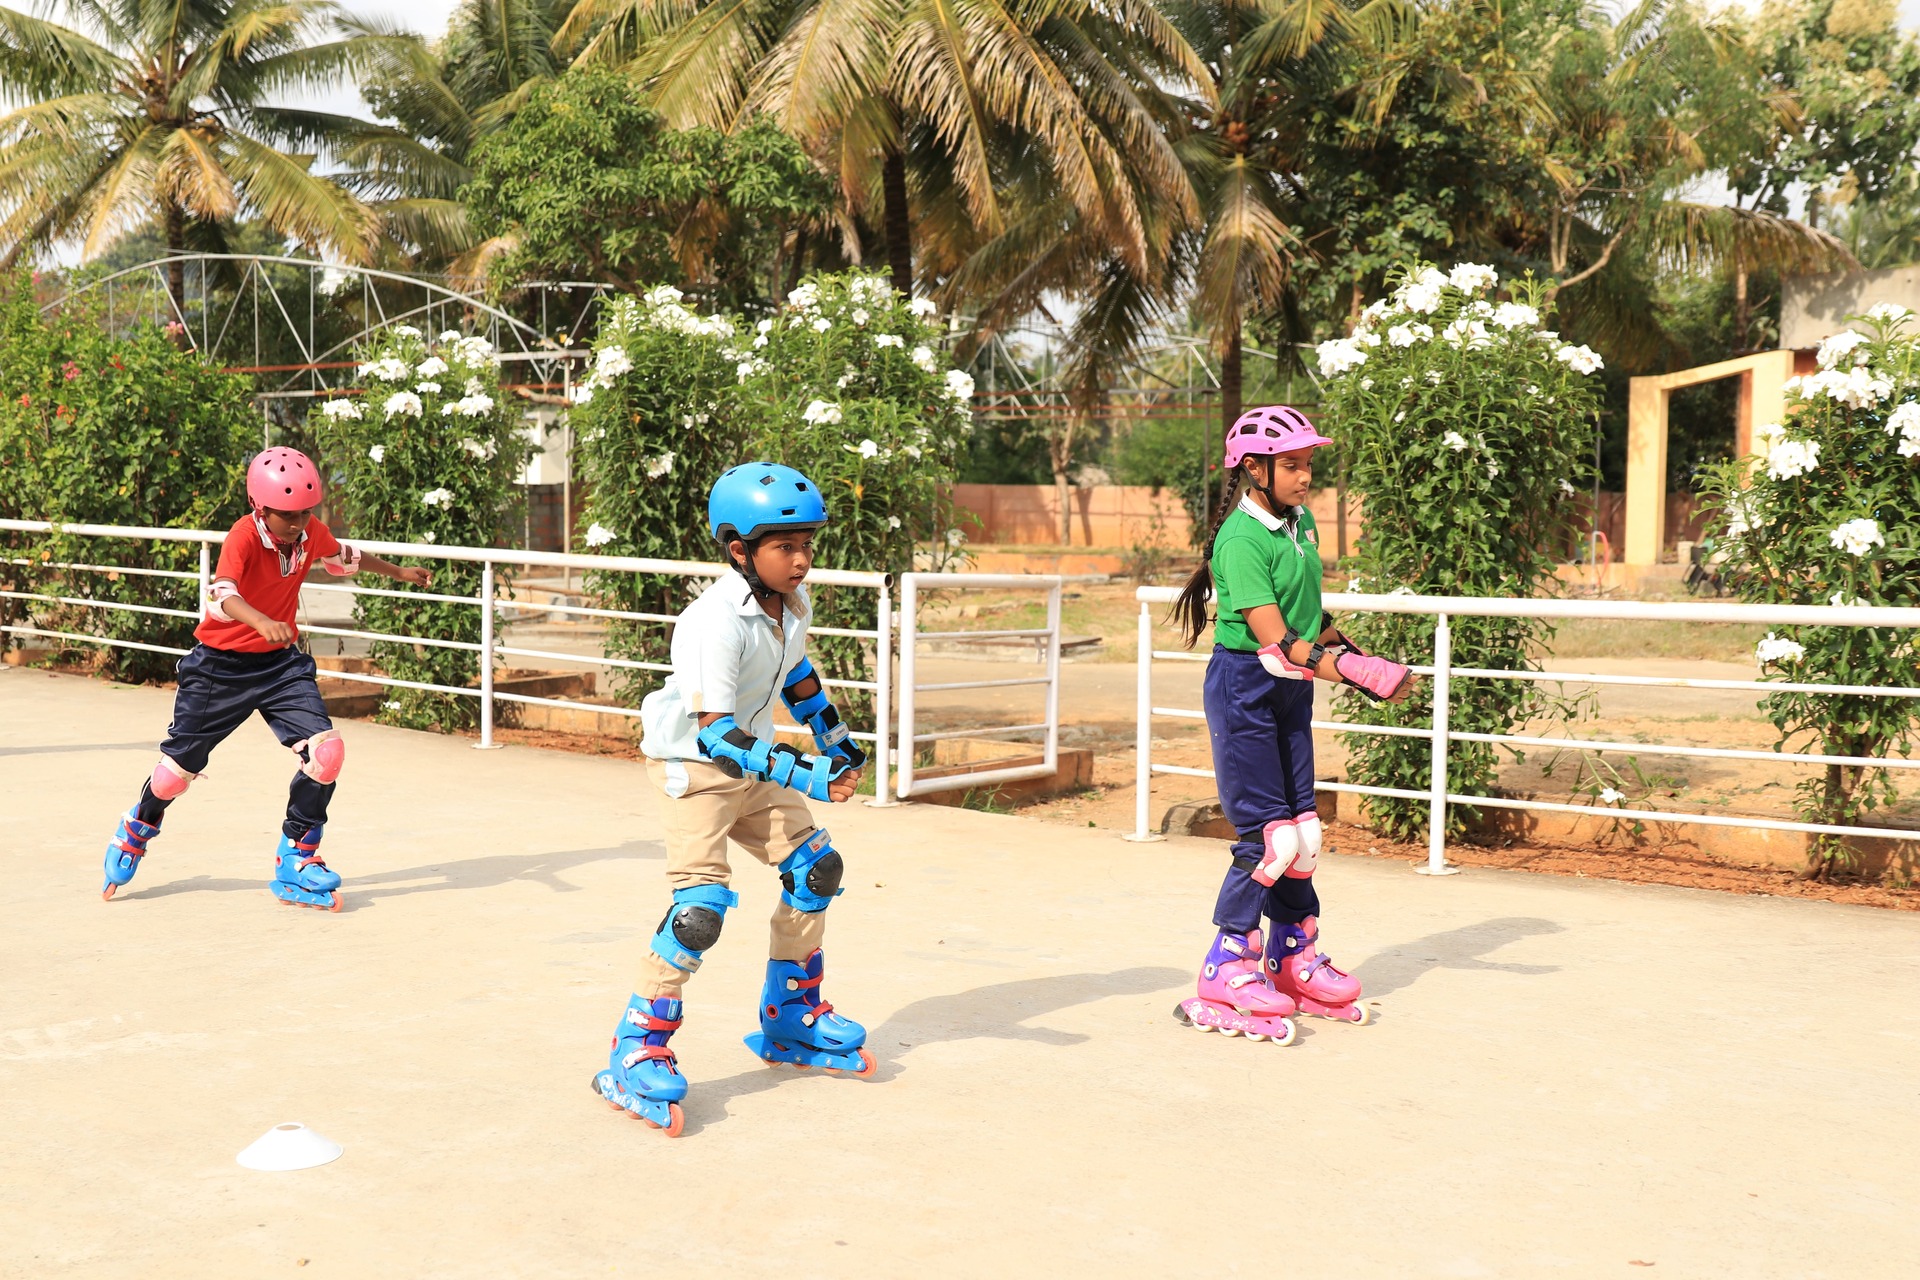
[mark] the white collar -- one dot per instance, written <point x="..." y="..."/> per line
<point x="748" y="605"/>
<point x="1272" y="522"/>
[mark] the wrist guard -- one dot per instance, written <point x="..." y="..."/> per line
<point x="739" y="754"/>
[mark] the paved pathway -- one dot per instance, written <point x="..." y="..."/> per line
<point x="1567" y="1077"/>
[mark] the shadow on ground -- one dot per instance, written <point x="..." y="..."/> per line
<point x="1403" y="965"/>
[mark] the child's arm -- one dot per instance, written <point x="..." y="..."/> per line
<point x="418" y="575"/>
<point x="806" y="698"/>
<point x="1305" y="659"/>
<point x="230" y="604"/>
<point x="741" y="755"/>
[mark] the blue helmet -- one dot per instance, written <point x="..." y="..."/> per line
<point x="755" y="498"/>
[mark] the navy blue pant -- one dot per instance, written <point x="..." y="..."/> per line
<point x="1262" y="732"/>
<point x="219" y="689"/>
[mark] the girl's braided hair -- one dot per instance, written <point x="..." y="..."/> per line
<point x="1190" y="610"/>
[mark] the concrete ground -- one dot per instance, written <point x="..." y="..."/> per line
<point x="1567" y="1077"/>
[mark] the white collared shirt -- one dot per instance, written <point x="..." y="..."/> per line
<point x="728" y="655"/>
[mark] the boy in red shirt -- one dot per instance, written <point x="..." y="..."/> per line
<point x="247" y="661"/>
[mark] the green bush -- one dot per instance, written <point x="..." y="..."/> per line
<point x="426" y="452"/>
<point x="125" y="431"/>
<point x="1171" y="453"/>
<point x="1466" y="428"/>
<point x="845" y="383"/>
<point x="1826" y="516"/>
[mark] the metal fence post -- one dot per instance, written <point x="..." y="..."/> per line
<point x="206" y="579"/>
<point x="909" y="622"/>
<point x="1143" y="728"/>
<point x="883" y="702"/>
<point x="1437" y="810"/>
<point x="486" y="742"/>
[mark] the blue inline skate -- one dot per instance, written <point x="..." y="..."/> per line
<point x="798" y="1027"/>
<point x="642" y="1078"/>
<point x="124" y="851"/>
<point x="301" y="878"/>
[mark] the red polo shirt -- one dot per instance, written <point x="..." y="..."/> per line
<point x="249" y="562"/>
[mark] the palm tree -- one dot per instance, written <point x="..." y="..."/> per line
<point x="895" y="94"/>
<point x="160" y="113"/>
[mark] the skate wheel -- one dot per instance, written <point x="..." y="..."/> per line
<point x="338" y="901"/>
<point x="1362" y="1014"/>
<point x="1284" y="1038"/>
<point x="678" y="1123"/>
<point x="106" y="894"/>
<point x="1255" y="1036"/>
<point x="867" y="1066"/>
<point x="1229" y="1032"/>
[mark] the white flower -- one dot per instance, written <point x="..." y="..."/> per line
<point x="1609" y="796"/>
<point x="866" y="448"/>
<point x="1905" y="422"/>
<point x="1422" y="298"/>
<point x="428" y="388"/>
<point x="580" y="393"/>
<point x="660" y="466"/>
<point x="402" y="404"/>
<point x="474" y="406"/>
<point x="598" y="535"/>
<point x="1776" y="649"/>
<point x="390" y="705"/>
<point x="922" y="307"/>
<point x="1454" y="441"/>
<point x="1338" y="355"/>
<point x="472" y="351"/>
<point x="1366" y="384"/>
<point x="893" y="522"/>
<point x="1835" y="348"/>
<point x="960" y="384"/>
<point x="1409" y="332"/>
<point x="1470" y="276"/>
<point x="845" y="380"/>
<point x="1856" y="388"/>
<point x="1887" y="312"/>
<point x="888" y="340"/>
<point x="340" y="409"/>
<point x="1493" y="471"/>
<point x="1515" y="315"/>
<point x="821" y="324"/>
<point x="1473" y="333"/>
<point x="406" y="331"/>
<point x="450" y="335"/>
<point x="745" y="369"/>
<point x="389" y="369"/>
<point x="431" y="367"/>
<point x="860" y="315"/>
<point x="1435" y="377"/>
<point x="429" y="536"/>
<point x="1400" y="416"/>
<point x="1532" y="389"/>
<point x="1356" y="583"/>
<point x="1580" y="359"/>
<point x="805" y="298"/>
<point x="475" y="387"/>
<point x="1566" y="487"/>
<point x="1839" y="601"/>
<point x="663" y="295"/>
<point x="923" y="356"/>
<point x="1769" y="431"/>
<point x="820" y="411"/>
<point x="478" y="450"/>
<point x="911" y="451"/>
<point x="378" y="453"/>
<point x="1858" y="537"/>
<point x="1791" y="458"/>
<point x="612" y="362"/>
<point x="436" y="498"/>
<point x="955" y="537"/>
<point x="764" y="327"/>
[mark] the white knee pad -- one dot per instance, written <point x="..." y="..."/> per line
<point x="169" y="780"/>
<point x="1282" y="849"/>
<point x="1307" y="826"/>
<point x="326" y="754"/>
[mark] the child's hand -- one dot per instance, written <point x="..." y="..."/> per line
<point x="274" y="632"/>
<point x="1405" y="690"/>
<point x="418" y="575"/>
<point x="841" y="789"/>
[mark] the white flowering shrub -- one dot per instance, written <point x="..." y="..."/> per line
<point x="1825" y="514"/>
<point x="844" y="382"/>
<point x="424" y="449"/>
<point x="1467" y="428"/>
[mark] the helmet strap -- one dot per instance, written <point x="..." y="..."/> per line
<point x="761" y="591"/>
<point x="1265" y="488"/>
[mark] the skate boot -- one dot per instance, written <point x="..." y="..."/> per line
<point x="642" y="1078"/>
<point x="301" y="878"/>
<point x="797" y="1026"/>
<point x="124" y="851"/>
<point x="1234" y="996"/>
<point x="1297" y="969"/>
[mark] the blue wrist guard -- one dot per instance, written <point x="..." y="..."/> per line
<point x="830" y="733"/>
<point x="739" y="754"/>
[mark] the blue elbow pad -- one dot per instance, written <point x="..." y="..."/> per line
<point x="830" y="733"/>
<point x="741" y="755"/>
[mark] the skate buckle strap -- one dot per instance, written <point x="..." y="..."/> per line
<point x="311" y="860"/>
<point x="1239" y="980"/>
<point x="650" y="1053"/>
<point x="306" y="843"/>
<point x="1316" y="965"/>
<point x="648" y="1022"/>
<point x="137" y="848"/>
<point x="803" y="984"/>
<point x="815" y="1013"/>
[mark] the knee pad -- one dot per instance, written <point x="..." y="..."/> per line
<point x="692" y="924"/>
<point x="1307" y="826"/>
<point x="1280" y="848"/>
<point x="810" y="875"/>
<point x="169" y="780"/>
<point x="322" y="756"/>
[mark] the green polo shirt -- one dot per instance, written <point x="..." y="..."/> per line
<point x="1256" y="563"/>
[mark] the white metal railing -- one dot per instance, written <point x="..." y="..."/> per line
<point x="489" y="644"/>
<point x="911" y="585"/>
<point x="1443" y="673"/>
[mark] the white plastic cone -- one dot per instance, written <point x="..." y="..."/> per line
<point x="289" y="1146"/>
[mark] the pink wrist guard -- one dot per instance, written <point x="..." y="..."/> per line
<point x="1378" y="678"/>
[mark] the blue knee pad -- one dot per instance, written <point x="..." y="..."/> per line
<point x="810" y="875"/>
<point x="692" y="924"/>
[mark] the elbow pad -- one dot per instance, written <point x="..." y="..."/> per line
<point x="830" y="733"/>
<point x="344" y="563"/>
<point x="218" y="593"/>
<point x="739" y="754"/>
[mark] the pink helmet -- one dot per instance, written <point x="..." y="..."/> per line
<point x="283" y="479"/>
<point x="1273" y="428"/>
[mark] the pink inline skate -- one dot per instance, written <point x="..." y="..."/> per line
<point x="1234" y="996"/>
<point x="1299" y="972"/>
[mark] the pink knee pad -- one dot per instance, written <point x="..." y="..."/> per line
<point x="1282" y="848"/>
<point x="1307" y="827"/>
<point x="169" y="780"/>
<point x="326" y="754"/>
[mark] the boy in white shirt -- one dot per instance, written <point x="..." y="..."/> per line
<point x="710" y="749"/>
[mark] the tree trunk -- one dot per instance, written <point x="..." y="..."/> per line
<point x="1229" y="392"/>
<point x="176" y="228"/>
<point x="1340" y="508"/>
<point x="899" y="225"/>
<point x="797" y="266"/>
<point x="1741" y="309"/>
<point x="1060" y="455"/>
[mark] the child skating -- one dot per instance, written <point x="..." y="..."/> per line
<point x="709" y="743"/>
<point x="1272" y="640"/>
<point x="246" y="661"/>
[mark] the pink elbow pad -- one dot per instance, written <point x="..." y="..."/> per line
<point x="345" y="563"/>
<point x="218" y="594"/>
<point x="1274" y="658"/>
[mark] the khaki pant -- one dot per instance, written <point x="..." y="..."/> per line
<point x="766" y="820"/>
